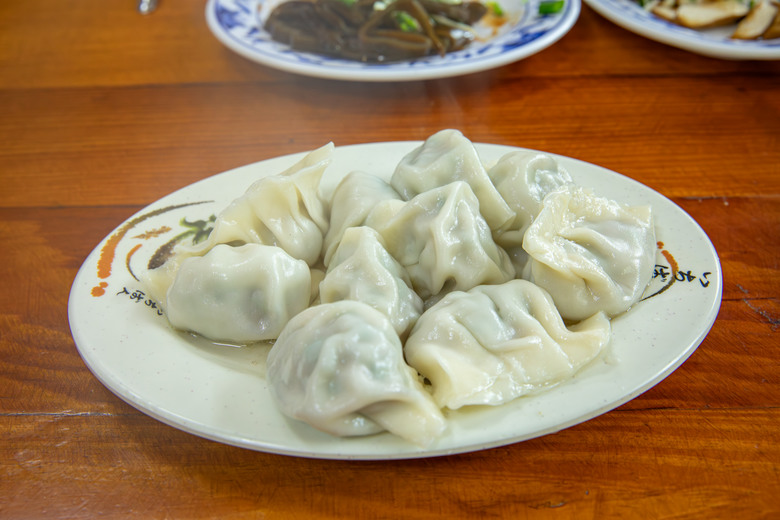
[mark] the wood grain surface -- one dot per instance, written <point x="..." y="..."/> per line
<point x="104" y="111"/>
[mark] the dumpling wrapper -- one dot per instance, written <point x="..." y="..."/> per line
<point x="353" y="199"/>
<point x="238" y="294"/>
<point x="282" y="210"/>
<point x="362" y="270"/>
<point x="445" y="157"/>
<point x="590" y="253"/>
<point x="339" y="367"/>
<point x="524" y="179"/>
<point x="494" y="343"/>
<point x="442" y="240"/>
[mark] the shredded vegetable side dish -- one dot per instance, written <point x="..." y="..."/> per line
<point x="377" y="31"/>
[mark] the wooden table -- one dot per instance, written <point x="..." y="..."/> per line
<point x="105" y="110"/>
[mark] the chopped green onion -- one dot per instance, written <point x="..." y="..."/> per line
<point x="551" y="6"/>
<point x="495" y="8"/>
<point x="406" y="22"/>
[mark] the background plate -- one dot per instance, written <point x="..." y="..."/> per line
<point x="235" y="24"/>
<point x="713" y="42"/>
<point x="219" y="392"/>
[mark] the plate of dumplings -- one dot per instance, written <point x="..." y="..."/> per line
<point x="395" y="300"/>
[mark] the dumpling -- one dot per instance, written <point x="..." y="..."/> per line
<point x="339" y="367"/>
<point x="445" y="157"/>
<point x="443" y="241"/>
<point x="591" y="253"/>
<point x="353" y="199"/>
<point x="363" y="270"/>
<point x="383" y="212"/>
<point x="238" y="294"/>
<point x="282" y="210"/>
<point x="524" y="179"/>
<point x="494" y="343"/>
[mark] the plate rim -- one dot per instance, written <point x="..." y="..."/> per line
<point x="378" y="74"/>
<point x="692" y="40"/>
<point x="126" y="393"/>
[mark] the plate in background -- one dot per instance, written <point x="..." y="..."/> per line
<point x="236" y="24"/>
<point x="714" y="42"/>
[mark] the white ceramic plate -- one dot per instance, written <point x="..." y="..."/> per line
<point x="235" y="23"/>
<point x="713" y="42"/>
<point x="219" y="392"/>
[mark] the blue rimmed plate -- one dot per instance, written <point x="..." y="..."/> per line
<point x="715" y="42"/>
<point x="236" y="24"/>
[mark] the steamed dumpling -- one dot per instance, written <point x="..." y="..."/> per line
<point x="494" y="343"/>
<point x="590" y="253"/>
<point x="443" y="241"/>
<point x="361" y="269"/>
<point x="282" y="210"/>
<point x="524" y="179"/>
<point x="353" y="199"/>
<point x="238" y="294"/>
<point x="339" y="367"/>
<point x="445" y="157"/>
